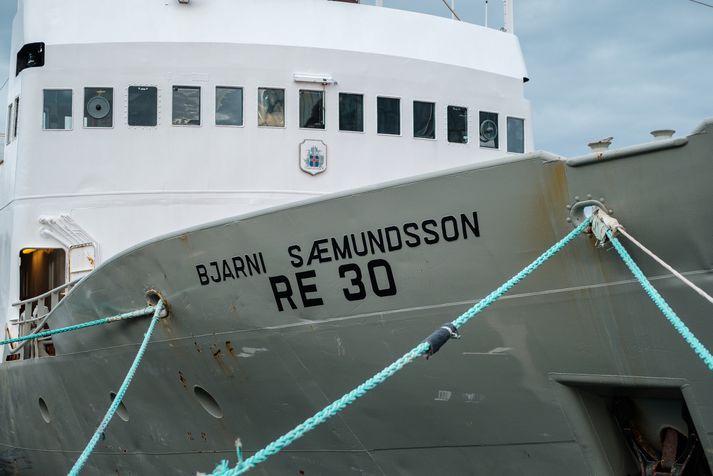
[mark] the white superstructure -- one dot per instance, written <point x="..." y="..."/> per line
<point x="147" y="117"/>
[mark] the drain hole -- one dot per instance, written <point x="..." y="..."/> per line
<point x="122" y="411"/>
<point x="44" y="411"/>
<point x="208" y="402"/>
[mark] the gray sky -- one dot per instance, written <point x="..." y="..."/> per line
<point x="598" y="68"/>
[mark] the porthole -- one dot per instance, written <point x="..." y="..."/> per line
<point x="122" y="411"/>
<point x="207" y="402"/>
<point x="44" y="411"/>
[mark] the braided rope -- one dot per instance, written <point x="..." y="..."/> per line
<point x="120" y="317"/>
<point x="119" y="395"/>
<point x="331" y="410"/>
<point x="661" y="303"/>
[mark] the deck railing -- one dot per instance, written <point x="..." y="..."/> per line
<point x="32" y="316"/>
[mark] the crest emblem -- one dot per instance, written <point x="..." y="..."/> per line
<point x="313" y="156"/>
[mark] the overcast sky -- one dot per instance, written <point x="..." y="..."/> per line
<point x="598" y="68"/>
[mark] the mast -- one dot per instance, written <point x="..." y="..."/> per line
<point x="508" y="18"/>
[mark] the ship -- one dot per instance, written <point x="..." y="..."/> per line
<point x="309" y="188"/>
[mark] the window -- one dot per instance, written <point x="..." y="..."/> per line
<point x="270" y="107"/>
<point x="31" y="55"/>
<point x="351" y="112"/>
<point x="186" y="106"/>
<point x="312" y="109"/>
<point x="8" y="123"/>
<point x="388" y="115"/>
<point x="489" y="130"/>
<point x="17" y="118"/>
<point x="143" y="105"/>
<point x="458" y="124"/>
<point x="57" y="109"/>
<point x="424" y="120"/>
<point x="98" y="104"/>
<point x="516" y="135"/>
<point x="228" y="106"/>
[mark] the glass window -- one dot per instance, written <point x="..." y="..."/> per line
<point x="516" y="135"/>
<point x="8" y="123"/>
<point x="17" y="118"/>
<point x="57" y="109"/>
<point x="98" y="107"/>
<point x="489" y="130"/>
<point x="143" y="105"/>
<point x="351" y="112"/>
<point x="228" y="106"/>
<point x="458" y="124"/>
<point x="31" y="55"/>
<point x="270" y="107"/>
<point x="388" y="115"/>
<point x="424" y="120"/>
<point x="312" y="109"/>
<point x="186" y="106"/>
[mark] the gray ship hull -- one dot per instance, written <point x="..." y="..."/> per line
<point x="276" y="314"/>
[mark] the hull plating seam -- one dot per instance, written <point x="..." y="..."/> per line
<point x="404" y="310"/>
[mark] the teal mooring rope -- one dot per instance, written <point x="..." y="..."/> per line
<point x="106" y="320"/>
<point x="335" y="407"/>
<point x="663" y="306"/>
<point x="119" y="395"/>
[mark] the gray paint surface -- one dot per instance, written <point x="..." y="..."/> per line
<point x="511" y="395"/>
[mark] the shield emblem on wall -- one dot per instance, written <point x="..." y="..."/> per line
<point x="313" y="156"/>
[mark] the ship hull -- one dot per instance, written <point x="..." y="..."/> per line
<point x="276" y="314"/>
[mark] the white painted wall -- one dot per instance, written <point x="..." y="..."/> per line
<point x="124" y="185"/>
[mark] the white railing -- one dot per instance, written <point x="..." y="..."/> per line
<point x="450" y="6"/>
<point x="32" y="316"/>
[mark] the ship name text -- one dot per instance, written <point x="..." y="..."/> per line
<point x="231" y="268"/>
<point x="376" y="277"/>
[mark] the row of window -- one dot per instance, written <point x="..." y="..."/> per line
<point x="186" y="111"/>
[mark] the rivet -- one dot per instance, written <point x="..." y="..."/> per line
<point x="601" y="199"/>
<point x="569" y="219"/>
<point x="569" y="207"/>
<point x="589" y="195"/>
<point x="576" y="197"/>
<point x="611" y="211"/>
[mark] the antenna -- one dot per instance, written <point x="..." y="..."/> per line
<point x="486" y="13"/>
<point x="508" y="19"/>
<point x="451" y="7"/>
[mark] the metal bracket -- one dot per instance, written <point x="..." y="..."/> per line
<point x="602" y="221"/>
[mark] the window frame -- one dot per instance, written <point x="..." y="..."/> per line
<point x="158" y="104"/>
<point x="497" y="137"/>
<point x="71" y="104"/>
<point x="387" y="134"/>
<point x="16" y="116"/>
<point x="113" y="107"/>
<point x="200" y="104"/>
<point x="284" y="108"/>
<point x="215" y="105"/>
<point x="467" y="125"/>
<point x="435" y="119"/>
<point x="324" y="109"/>
<point x="507" y="139"/>
<point x="339" y="112"/>
<point x="8" y="125"/>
